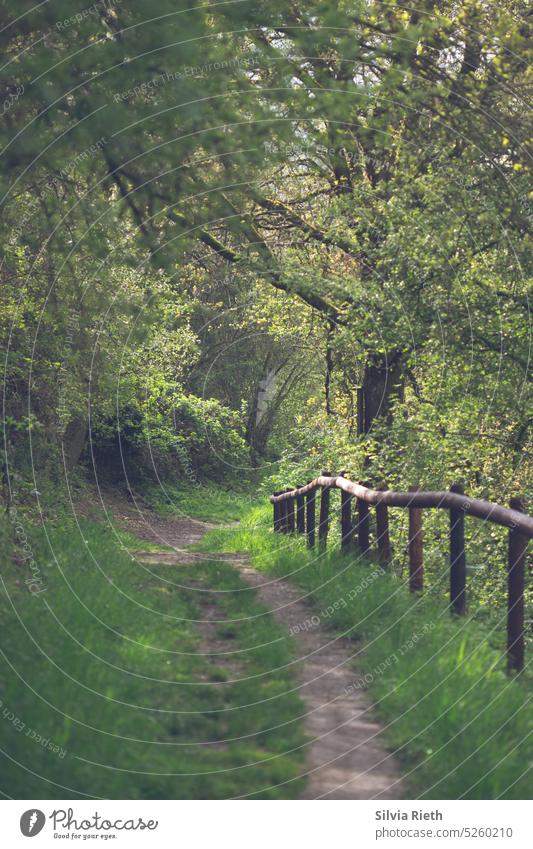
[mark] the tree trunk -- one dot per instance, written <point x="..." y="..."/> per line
<point x="74" y="441"/>
<point x="382" y="384"/>
<point x="329" y="367"/>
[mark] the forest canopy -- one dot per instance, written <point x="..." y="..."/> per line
<point x="266" y="236"/>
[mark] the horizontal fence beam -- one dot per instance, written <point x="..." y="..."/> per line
<point x="459" y="505"/>
<point x="445" y="500"/>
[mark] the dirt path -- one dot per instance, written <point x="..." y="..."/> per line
<point x="345" y="758"/>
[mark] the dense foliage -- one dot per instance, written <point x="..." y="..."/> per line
<point x="219" y="223"/>
<point x="266" y="237"/>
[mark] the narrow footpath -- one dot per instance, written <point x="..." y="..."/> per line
<point x="346" y="758"/>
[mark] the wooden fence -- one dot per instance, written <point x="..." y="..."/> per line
<point x="295" y="511"/>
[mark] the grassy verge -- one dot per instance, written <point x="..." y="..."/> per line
<point x="462" y="728"/>
<point x="106" y="692"/>
<point x="211" y="503"/>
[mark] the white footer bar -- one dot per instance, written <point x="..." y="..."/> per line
<point x="267" y="825"/>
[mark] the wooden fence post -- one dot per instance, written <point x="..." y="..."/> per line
<point x="277" y="515"/>
<point x="457" y="556"/>
<point x="310" y="517"/>
<point x="346" y="520"/>
<point x="283" y="516"/>
<point x="323" y="522"/>
<point x="290" y="514"/>
<point x="300" y="513"/>
<point x="382" y="532"/>
<point x="515" y="599"/>
<point x="363" y="524"/>
<point x="416" y="548"/>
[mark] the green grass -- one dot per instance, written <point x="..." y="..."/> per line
<point x="130" y="542"/>
<point x="104" y="664"/>
<point x="462" y="728"/>
<point x="211" y="503"/>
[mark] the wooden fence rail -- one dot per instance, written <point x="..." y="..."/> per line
<point x="459" y="505"/>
